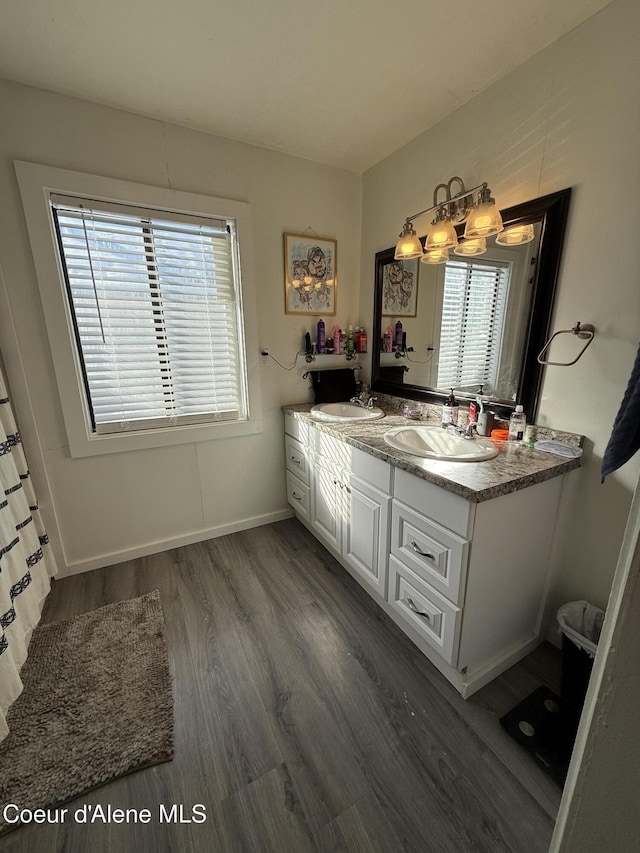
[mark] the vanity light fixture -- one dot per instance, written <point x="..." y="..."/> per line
<point x="409" y="245"/>
<point x="472" y="247"/>
<point x="435" y="256"/>
<point x="481" y="215"/>
<point x="517" y="235"/>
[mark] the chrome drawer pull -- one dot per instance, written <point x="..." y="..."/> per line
<point x="422" y="553"/>
<point x="415" y="609"/>
<point x="297" y="461"/>
<point x="297" y="497"/>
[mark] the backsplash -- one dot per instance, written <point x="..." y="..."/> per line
<point x="433" y="414"/>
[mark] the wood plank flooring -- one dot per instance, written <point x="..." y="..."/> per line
<point x="305" y="720"/>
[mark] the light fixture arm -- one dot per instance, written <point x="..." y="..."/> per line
<point x="462" y="194"/>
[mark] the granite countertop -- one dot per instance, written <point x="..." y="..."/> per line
<point x="514" y="468"/>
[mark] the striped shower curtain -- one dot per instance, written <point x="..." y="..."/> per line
<point x="26" y="560"/>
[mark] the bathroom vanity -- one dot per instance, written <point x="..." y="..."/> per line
<point x="458" y="554"/>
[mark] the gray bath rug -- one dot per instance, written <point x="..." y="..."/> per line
<point x="97" y="704"/>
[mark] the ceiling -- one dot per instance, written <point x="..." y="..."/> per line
<point x="341" y="82"/>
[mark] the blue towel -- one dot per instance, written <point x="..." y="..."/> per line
<point x="625" y="435"/>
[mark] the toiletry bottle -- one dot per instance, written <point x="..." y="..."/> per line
<point x="450" y="411"/>
<point x="351" y="340"/>
<point x="336" y="340"/>
<point x="361" y="340"/>
<point x="517" y="423"/>
<point x="343" y="342"/>
<point x="473" y="413"/>
<point x="322" y="337"/>
<point x="388" y="340"/>
<point x="398" y="337"/>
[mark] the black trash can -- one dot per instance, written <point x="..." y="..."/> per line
<point x="581" y="625"/>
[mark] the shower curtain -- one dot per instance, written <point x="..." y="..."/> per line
<point x="26" y="560"/>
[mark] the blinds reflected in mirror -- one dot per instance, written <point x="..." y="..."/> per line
<point x="473" y="316"/>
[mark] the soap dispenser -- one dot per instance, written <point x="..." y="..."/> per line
<point x="450" y="411"/>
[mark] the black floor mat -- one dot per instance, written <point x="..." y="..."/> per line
<point x="545" y="725"/>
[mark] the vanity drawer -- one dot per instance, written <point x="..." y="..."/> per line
<point x="298" y="494"/>
<point x="297" y="428"/>
<point x="297" y="459"/>
<point x="444" y="507"/>
<point x="434" y="553"/>
<point x="436" y="620"/>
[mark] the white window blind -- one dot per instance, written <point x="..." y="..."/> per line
<point x="155" y="302"/>
<point x="473" y="313"/>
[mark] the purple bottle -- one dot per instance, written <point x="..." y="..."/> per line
<point x="321" y="340"/>
<point x="398" y="338"/>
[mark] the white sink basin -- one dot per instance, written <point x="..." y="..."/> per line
<point x="433" y="442"/>
<point x="345" y="412"/>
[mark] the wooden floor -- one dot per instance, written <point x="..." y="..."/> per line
<point x="305" y="720"/>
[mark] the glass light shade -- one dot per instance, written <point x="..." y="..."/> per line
<point x="435" y="256"/>
<point x="484" y="220"/>
<point x="408" y="246"/>
<point x="441" y="235"/>
<point x="516" y="236"/>
<point x="475" y="246"/>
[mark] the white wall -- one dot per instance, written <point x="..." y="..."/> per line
<point x="112" y="506"/>
<point x="568" y="117"/>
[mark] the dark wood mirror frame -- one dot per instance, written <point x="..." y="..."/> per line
<point x="550" y="212"/>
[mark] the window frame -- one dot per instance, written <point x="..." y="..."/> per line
<point x="37" y="183"/>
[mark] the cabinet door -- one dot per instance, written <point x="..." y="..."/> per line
<point x="365" y="535"/>
<point x="327" y="502"/>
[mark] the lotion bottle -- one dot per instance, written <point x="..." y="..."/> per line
<point x="517" y="423"/>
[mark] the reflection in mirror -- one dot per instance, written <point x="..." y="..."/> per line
<point x="473" y="322"/>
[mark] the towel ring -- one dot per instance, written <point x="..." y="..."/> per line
<point x="585" y="332"/>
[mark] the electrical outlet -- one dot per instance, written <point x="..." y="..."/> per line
<point x="264" y="355"/>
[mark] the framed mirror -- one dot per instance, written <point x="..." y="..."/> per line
<point x="475" y="323"/>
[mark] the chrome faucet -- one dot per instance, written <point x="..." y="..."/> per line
<point x="363" y="398"/>
<point x="464" y="431"/>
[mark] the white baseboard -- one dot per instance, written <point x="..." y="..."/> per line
<point x="474" y="682"/>
<point x="167" y="544"/>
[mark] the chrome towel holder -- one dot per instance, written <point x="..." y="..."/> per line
<point x="585" y="332"/>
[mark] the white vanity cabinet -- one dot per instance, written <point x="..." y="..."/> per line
<point x="466" y="581"/>
<point x="343" y="496"/>
<point x="349" y="507"/>
<point x="469" y="580"/>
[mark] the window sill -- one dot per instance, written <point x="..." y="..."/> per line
<point x="97" y="445"/>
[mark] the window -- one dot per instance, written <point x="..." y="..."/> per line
<point x="150" y="320"/>
<point x="473" y="312"/>
<point x="153" y="299"/>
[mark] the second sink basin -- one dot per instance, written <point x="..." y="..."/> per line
<point x="433" y="442"/>
<point x="345" y="412"/>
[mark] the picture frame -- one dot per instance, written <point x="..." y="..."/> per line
<point x="311" y="281"/>
<point x="400" y="288"/>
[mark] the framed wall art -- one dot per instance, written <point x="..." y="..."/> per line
<point x="400" y="288"/>
<point x="310" y="264"/>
